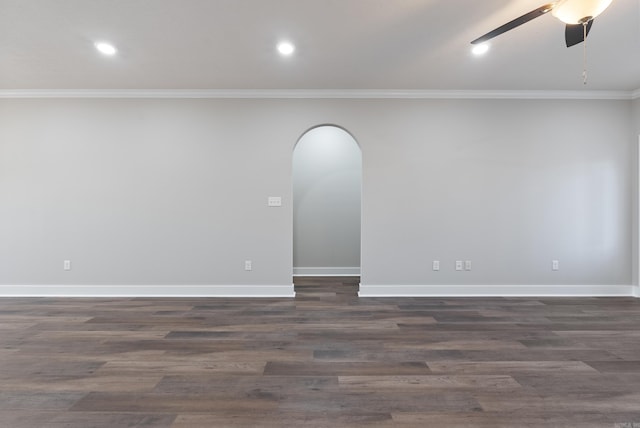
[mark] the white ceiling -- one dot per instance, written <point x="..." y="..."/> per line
<point x="341" y="44"/>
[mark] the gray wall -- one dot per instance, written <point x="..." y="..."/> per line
<point x="635" y="137"/>
<point x="143" y="192"/>
<point x="175" y="191"/>
<point x="327" y="181"/>
<point x="509" y="185"/>
<point x="636" y="114"/>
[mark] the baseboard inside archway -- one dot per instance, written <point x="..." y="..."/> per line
<point x="326" y="271"/>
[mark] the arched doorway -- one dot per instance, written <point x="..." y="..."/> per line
<point x="327" y="182"/>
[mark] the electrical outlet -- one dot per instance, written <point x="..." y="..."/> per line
<point x="555" y="265"/>
<point x="467" y="265"/>
<point x="247" y="265"/>
<point x="274" y="201"/>
<point x="67" y="265"/>
<point x="436" y="265"/>
<point x="458" y="264"/>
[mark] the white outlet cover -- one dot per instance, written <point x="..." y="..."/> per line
<point x="274" y="201"/>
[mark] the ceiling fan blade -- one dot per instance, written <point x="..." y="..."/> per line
<point x="515" y="23"/>
<point x="574" y="34"/>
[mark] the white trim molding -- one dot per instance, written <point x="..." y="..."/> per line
<point x="635" y="94"/>
<point x="317" y="94"/>
<point x="50" y="290"/>
<point x="326" y="271"/>
<point x="496" y="290"/>
<point x="287" y="291"/>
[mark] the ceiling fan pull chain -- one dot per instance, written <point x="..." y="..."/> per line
<point x="584" y="59"/>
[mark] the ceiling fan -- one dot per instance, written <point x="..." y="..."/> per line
<point x="578" y="16"/>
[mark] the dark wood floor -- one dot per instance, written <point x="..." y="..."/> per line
<point x="324" y="359"/>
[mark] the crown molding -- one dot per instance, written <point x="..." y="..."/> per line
<point x="315" y="94"/>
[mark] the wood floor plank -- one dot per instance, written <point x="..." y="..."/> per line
<point x="171" y="403"/>
<point x="534" y="355"/>
<point x="174" y="365"/>
<point x="616" y="366"/>
<point x="511" y="420"/>
<point x="28" y="418"/>
<point x="428" y="382"/>
<point x="495" y="367"/>
<point x="566" y="383"/>
<point x="403" y="401"/>
<point x="238" y="386"/>
<point x="109" y="420"/>
<point x="466" y="345"/>
<point x="316" y="368"/>
<point x="317" y="419"/>
<point x="602" y="403"/>
<point x="40" y="400"/>
<point x="350" y="353"/>
<point x="111" y="383"/>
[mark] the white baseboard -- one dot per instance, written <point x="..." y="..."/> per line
<point x="326" y="271"/>
<point x="267" y="291"/>
<point x="49" y="290"/>
<point x="496" y="290"/>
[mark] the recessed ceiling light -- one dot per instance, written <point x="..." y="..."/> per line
<point x="106" y="48"/>
<point x="480" y="49"/>
<point x="286" y="48"/>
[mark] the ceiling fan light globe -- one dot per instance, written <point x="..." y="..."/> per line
<point x="575" y="11"/>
